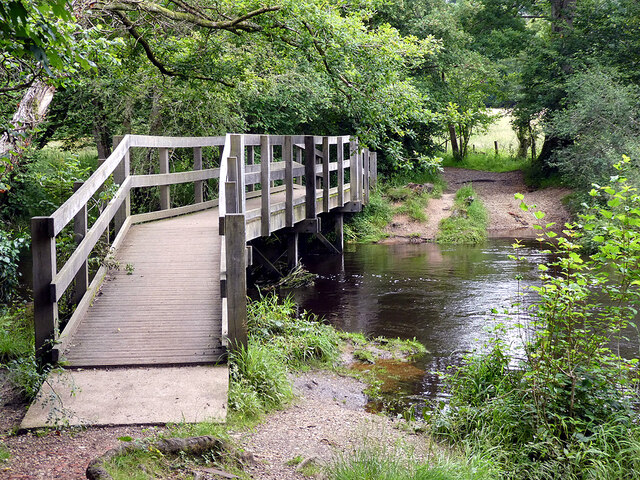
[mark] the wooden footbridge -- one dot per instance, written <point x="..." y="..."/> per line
<point x="178" y="294"/>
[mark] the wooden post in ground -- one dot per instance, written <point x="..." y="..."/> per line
<point x="234" y="234"/>
<point x="292" y="249"/>
<point x="45" y="309"/>
<point x="339" y="231"/>
<point x="374" y="169"/>
<point x="79" y="232"/>
<point x="265" y="183"/>
<point x="310" y="176"/>
<point x="165" y="190"/>
<point x="120" y="174"/>
<point x="287" y="158"/>
<point x="495" y="144"/>
<point x="198" y="187"/>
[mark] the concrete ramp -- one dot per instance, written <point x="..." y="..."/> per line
<point x="129" y="396"/>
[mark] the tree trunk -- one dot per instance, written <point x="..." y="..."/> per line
<point x="30" y="113"/>
<point x="524" y="139"/>
<point x="454" y="141"/>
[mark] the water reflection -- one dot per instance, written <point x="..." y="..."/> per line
<point x="442" y="295"/>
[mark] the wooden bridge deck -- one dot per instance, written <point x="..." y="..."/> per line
<point x="168" y="310"/>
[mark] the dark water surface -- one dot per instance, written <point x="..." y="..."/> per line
<point x="441" y="295"/>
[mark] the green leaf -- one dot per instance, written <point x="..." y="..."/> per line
<point x="518" y="196"/>
<point x="539" y="215"/>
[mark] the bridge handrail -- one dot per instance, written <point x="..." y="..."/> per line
<point x="235" y="178"/>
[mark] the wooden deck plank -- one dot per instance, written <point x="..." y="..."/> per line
<point x="167" y="310"/>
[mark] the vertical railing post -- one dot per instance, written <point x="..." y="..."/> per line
<point x="365" y="167"/>
<point x="237" y="151"/>
<point x="120" y="174"/>
<point x="45" y="308"/>
<point x="340" y="160"/>
<point x="374" y="169"/>
<point x="251" y="159"/>
<point x="198" y="187"/>
<point x="165" y="191"/>
<point x="287" y="158"/>
<point x="79" y="232"/>
<point x="299" y="154"/>
<point x="355" y="171"/>
<point x="310" y="175"/>
<point x="326" y="186"/>
<point x="231" y="185"/>
<point x="266" y="153"/>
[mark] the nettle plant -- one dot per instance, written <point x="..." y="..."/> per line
<point x="575" y="374"/>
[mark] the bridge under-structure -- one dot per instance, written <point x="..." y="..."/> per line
<point x="171" y="293"/>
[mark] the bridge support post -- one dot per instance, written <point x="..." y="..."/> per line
<point x="45" y="308"/>
<point x="292" y="249"/>
<point x="198" y="186"/>
<point x="236" y="284"/>
<point x="338" y="228"/>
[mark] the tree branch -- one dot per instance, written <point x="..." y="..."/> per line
<point x="153" y="59"/>
<point x="233" y="25"/>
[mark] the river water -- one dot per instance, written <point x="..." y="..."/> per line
<point x="444" y="296"/>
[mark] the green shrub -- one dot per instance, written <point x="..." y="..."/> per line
<point x="10" y="249"/>
<point x="16" y="335"/>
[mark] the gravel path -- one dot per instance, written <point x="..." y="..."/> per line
<point x="496" y="190"/>
<point x="328" y="419"/>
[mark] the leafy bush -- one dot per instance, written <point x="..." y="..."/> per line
<point x="599" y="124"/>
<point x="570" y="410"/>
<point x="10" y="249"/>
<point x="16" y="335"/>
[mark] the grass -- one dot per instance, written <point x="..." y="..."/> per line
<point x="368" y="225"/>
<point x="487" y="162"/>
<point x="4" y="453"/>
<point x="16" y="335"/>
<point x="400" y="464"/>
<point x="468" y="221"/>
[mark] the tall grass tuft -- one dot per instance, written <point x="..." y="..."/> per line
<point x="399" y="464"/>
<point x="368" y="226"/>
<point x="468" y="221"/>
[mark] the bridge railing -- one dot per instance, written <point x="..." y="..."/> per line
<point x="300" y="166"/>
<point x="316" y="174"/>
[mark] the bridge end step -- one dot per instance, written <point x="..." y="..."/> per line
<point x="131" y="396"/>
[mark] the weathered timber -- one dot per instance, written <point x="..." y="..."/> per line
<point x="287" y="157"/>
<point x="310" y="175"/>
<point x="165" y="191"/>
<point x="80" y="222"/>
<point x="198" y="186"/>
<point x="236" y="279"/>
<point x="326" y="186"/>
<point x="265" y="173"/>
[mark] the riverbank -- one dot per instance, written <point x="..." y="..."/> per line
<point x="496" y="190"/>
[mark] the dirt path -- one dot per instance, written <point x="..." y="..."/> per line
<point x="327" y="419"/>
<point x="496" y="191"/>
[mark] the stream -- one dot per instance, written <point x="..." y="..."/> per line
<point x="441" y="295"/>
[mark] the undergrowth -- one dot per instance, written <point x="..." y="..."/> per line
<point x="467" y="223"/>
<point x="368" y="225"/>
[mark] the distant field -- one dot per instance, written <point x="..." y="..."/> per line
<point x="501" y="131"/>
